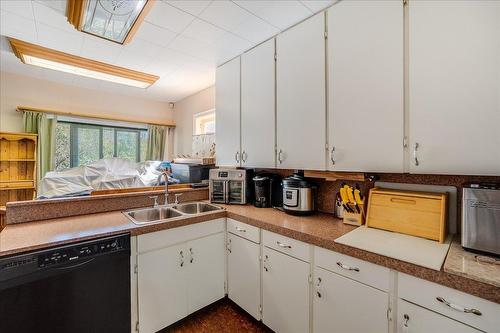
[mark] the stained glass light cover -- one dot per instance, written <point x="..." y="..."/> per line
<point x="111" y="19"/>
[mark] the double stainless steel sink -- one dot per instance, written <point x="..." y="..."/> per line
<point x="170" y="212"/>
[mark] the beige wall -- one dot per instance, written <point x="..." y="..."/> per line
<point x="22" y="90"/>
<point x="183" y="116"/>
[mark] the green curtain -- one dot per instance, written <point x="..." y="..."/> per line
<point x="157" y="136"/>
<point x="45" y="126"/>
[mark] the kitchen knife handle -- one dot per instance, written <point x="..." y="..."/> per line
<point x="331" y="156"/>
<point x="415" y="156"/>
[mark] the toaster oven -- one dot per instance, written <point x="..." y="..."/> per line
<point x="481" y="218"/>
<point x="229" y="186"/>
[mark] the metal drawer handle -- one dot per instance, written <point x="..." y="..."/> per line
<point x="240" y="229"/>
<point x="280" y="244"/>
<point x="331" y="156"/>
<point x="236" y="157"/>
<point x="182" y="258"/>
<point x="458" y="307"/>
<point x="191" y="255"/>
<point x="406" y="319"/>
<point x="280" y="160"/>
<point x="415" y="156"/>
<point x="228" y="247"/>
<point x="318" y="292"/>
<point x="349" y="268"/>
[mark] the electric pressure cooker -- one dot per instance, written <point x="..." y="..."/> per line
<point x="299" y="194"/>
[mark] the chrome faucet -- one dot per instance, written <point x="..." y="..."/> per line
<point x="164" y="173"/>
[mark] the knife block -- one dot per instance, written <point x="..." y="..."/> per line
<point x="354" y="218"/>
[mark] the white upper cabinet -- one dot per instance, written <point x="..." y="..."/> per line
<point x="258" y="106"/>
<point x="227" y="113"/>
<point x="365" y="90"/>
<point x="301" y="110"/>
<point x="454" y="56"/>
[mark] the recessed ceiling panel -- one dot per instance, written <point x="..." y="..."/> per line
<point x="111" y="19"/>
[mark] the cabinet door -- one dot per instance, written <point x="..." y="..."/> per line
<point x="340" y="303"/>
<point x="205" y="271"/>
<point x="162" y="287"/>
<point x="365" y="71"/>
<point x="415" y="319"/>
<point x="227" y="113"/>
<point x="454" y="87"/>
<point x="244" y="274"/>
<point x="257" y="106"/>
<point x="301" y="110"/>
<point x="285" y="293"/>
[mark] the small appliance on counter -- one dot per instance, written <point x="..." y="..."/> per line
<point x="190" y="173"/>
<point x="268" y="190"/>
<point x="481" y="218"/>
<point x="230" y="186"/>
<point x="299" y="194"/>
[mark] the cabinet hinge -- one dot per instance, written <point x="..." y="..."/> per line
<point x="136" y="269"/>
<point x="405" y="142"/>
<point x="137" y="326"/>
<point x="326" y="34"/>
<point x="275" y="57"/>
<point x="310" y="278"/>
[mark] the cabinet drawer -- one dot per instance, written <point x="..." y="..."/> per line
<point x="426" y="294"/>
<point x="243" y="230"/>
<point x="286" y="245"/>
<point x="164" y="238"/>
<point x="370" y="274"/>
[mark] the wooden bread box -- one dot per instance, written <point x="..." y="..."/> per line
<point x="421" y="214"/>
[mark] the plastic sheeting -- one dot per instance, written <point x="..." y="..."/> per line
<point x="111" y="173"/>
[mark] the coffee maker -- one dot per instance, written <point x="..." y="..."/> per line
<point x="267" y="190"/>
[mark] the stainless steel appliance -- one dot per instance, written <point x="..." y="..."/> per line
<point x="481" y="218"/>
<point x="230" y="186"/>
<point x="267" y="190"/>
<point x="299" y="195"/>
<point x="82" y="287"/>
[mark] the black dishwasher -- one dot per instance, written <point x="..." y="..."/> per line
<point x="82" y="287"/>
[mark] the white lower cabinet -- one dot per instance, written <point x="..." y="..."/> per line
<point x="205" y="271"/>
<point x="162" y="285"/>
<point x="243" y="274"/>
<point x="285" y="292"/>
<point x="415" y="319"/>
<point x="344" y="305"/>
<point x="176" y="280"/>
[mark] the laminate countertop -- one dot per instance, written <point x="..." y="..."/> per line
<point x="319" y="229"/>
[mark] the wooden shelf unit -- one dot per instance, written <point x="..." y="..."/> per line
<point x="17" y="167"/>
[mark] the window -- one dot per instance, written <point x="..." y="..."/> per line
<point x="81" y="144"/>
<point x="204" y="122"/>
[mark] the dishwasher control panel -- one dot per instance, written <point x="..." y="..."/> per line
<point x="61" y="256"/>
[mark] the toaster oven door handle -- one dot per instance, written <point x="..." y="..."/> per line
<point x="285" y="246"/>
<point x="458" y="307"/>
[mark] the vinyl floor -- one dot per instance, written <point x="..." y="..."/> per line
<point x="221" y="317"/>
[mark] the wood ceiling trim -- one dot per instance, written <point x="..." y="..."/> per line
<point x="74" y="12"/>
<point x="21" y="48"/>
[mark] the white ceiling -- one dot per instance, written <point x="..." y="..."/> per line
<point x="180" y="41"/>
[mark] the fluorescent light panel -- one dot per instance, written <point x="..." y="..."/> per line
<point x="82" y="72"/>
<point x="51" y="59"/>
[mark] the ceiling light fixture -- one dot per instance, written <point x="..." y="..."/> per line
<point x="114" y="20"/>
<point x="36" y="55"/>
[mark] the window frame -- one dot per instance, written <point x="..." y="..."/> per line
<point x="200" y="115"/>
<point x="73" y="144"/>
